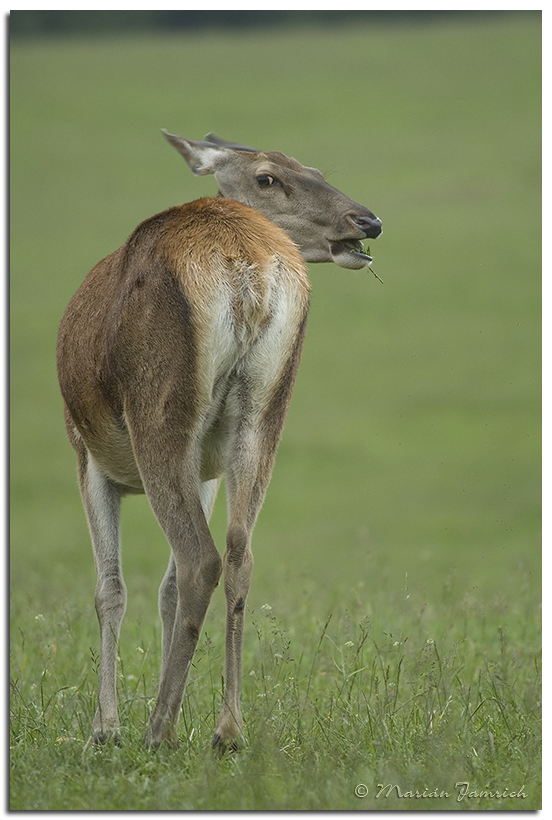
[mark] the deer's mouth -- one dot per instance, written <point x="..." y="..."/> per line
<point x="349" y="253"/>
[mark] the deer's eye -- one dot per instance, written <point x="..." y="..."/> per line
<point x="266" y="180"/>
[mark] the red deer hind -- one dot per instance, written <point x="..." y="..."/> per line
<point x="177" y="357"/>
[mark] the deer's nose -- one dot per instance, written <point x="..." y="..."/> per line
<point x="371" y="225"/>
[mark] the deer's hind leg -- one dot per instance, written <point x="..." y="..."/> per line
<point x="168" y="591"/>
<point x="169" y="466"/>
<point x="102" y="501"/>
<point x="248" y="472"/>
<point x="250" y="459"/>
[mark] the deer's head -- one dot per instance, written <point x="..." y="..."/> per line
<point x="325" y="224"/>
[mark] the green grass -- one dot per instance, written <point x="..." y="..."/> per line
<point x="405" y="503"/>
<point x="329" y="705"/>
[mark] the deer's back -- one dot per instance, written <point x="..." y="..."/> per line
<point x="193" y="292"/>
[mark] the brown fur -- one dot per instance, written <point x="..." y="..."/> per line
<point x="177" y="357"/>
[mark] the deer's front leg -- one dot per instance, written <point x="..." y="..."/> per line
<point x="101" y="499"/>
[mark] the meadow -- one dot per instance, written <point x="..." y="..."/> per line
<point x="393" y="624"/>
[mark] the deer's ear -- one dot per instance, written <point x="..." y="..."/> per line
<point x="202" y="157"/>
<point x="235" y="146"/>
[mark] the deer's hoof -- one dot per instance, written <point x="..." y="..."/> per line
<point x="153" y="740"/>
<point x="223" y="747"/>
<point x="102" y="738"/>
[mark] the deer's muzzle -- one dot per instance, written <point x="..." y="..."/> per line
<point x="370" y="225"/>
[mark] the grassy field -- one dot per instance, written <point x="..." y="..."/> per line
<point x="393" y="627"/>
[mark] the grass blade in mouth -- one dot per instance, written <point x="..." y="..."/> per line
<point x="367" y="252"/>
<point x="375" y="274"/>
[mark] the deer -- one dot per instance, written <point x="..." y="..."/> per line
<point x="176" y="361"/>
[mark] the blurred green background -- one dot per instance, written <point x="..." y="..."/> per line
<point x="411" y="455"/>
